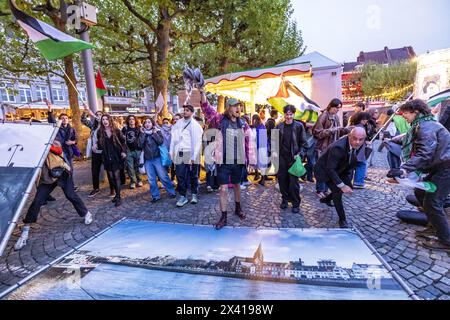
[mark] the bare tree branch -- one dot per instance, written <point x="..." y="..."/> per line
<point x="138" y="15"/>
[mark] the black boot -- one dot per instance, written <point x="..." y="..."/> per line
<point x="238" y="211"/>
<point x="118" y="202"/>
<point x="222" y="222"/>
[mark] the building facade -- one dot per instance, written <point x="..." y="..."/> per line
<point x="351" y="81"/>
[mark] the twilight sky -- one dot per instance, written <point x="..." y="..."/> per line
<point x="341" y="29"/>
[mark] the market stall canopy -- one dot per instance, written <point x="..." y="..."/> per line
<point x="256" y="86"/>
<point x="317" y="60"/>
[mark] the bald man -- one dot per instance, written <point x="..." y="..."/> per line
<point x="335" y="168"/>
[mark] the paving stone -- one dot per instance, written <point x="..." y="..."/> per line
<point x="433" y="275"/>
<point x="434" y="291"/>
<point x="414" y="269"/>
<point x="372" y="211"/>
<point x="439" y="270"/>
<point x="426" y="295"/>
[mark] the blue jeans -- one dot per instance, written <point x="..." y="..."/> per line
<point x="360" y="174"/>
<point x="155" y="168"/>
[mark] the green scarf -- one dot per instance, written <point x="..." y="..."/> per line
<point x="408" y="140"/>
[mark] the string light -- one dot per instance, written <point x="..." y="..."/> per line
<point x="385" y="94"/>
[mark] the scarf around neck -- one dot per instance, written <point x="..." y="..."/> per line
<point x="407" y="147"/>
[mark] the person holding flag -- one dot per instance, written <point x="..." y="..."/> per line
<point x="426" y="149"/>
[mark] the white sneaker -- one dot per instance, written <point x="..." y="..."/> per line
<point x="21" y="242"/>
<point x="88" y="218"/>
<point x="209" y="189"/>
<point x="140" y="184"/>
<point x="243" y="187"/>
<point x="182" y="201"/>
<point x="247" y="183"/>
<point x="194" y="199"/>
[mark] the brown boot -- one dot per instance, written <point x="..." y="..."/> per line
<point x="222" y="222"/>
<point x="238" y="211"/>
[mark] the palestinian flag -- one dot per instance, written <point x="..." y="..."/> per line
<point x="288" y="93"/>
<point x="438" y="98"/>
<point x="100" y="85"/>
<point x="52" y="43"/>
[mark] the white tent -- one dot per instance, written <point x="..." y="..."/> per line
<point x="256" y="86"/>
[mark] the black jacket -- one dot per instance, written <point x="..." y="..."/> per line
<point x="150" y="143"/>
<point x="335" y="164"/>
<point x="431" y="148"/>
<point x="444" y="118"/>
<point x="64" y="134"/>
<point x="298" y="147"/>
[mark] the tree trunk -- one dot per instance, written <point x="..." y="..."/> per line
<point x="162" y="64"/>
<point x="73" y="100"/>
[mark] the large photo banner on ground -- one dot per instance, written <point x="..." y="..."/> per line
<point x="147" y="260"/>
<point x="23" y="147"/>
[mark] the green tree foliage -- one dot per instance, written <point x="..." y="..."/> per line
<point x="152" y="41"/>
<point x="20" y="59"/>
<point x="378" y="79"/>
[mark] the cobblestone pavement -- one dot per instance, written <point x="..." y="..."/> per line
<point x="372" y="211"/>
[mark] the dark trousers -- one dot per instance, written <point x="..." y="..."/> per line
<point x="187" y="176"/>
<point x="393" y="160"/>
<point x="172" y="172"/>
<point x="211" y="179"/>
<point x="311" y="159"/>
<point x="244" y="175"/>
<point x="115" y="178"/>
<point x="96" y="165"/>
<point x="123" y="178"/>
<point x="43" y="191"/>
<point x="336" y="195"/>
<point x="433" y="203"/>
<point x="289" y="185"/>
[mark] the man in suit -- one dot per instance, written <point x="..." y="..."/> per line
<point x="335" y="168"/>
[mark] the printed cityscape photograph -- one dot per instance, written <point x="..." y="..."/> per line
<point x="224" y="156"/>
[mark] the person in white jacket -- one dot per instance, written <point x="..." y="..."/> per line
<point x="185" y="148"/>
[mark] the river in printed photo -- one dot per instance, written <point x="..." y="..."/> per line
<point x="115" y="282"/>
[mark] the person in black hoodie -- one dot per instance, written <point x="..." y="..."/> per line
<point x="131" y="132"/>
<point x="292" y="143"/>
<point x="112" y="143"/>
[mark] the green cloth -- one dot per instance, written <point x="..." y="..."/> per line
<point x="401" y="124"/>
<point x="408" y="140"/>
<point x="297" y="169"/>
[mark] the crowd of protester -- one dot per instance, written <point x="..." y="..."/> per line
<point x="229" y="146"/>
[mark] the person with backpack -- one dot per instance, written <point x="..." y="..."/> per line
<point x="150" y="140"/>
<point x="55" y="172"/>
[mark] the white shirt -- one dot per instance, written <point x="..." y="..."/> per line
<point x="185" y="138"/>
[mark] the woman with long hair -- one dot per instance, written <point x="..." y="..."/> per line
<point x="149" y="141"/>
<point x="112" y="144"/>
